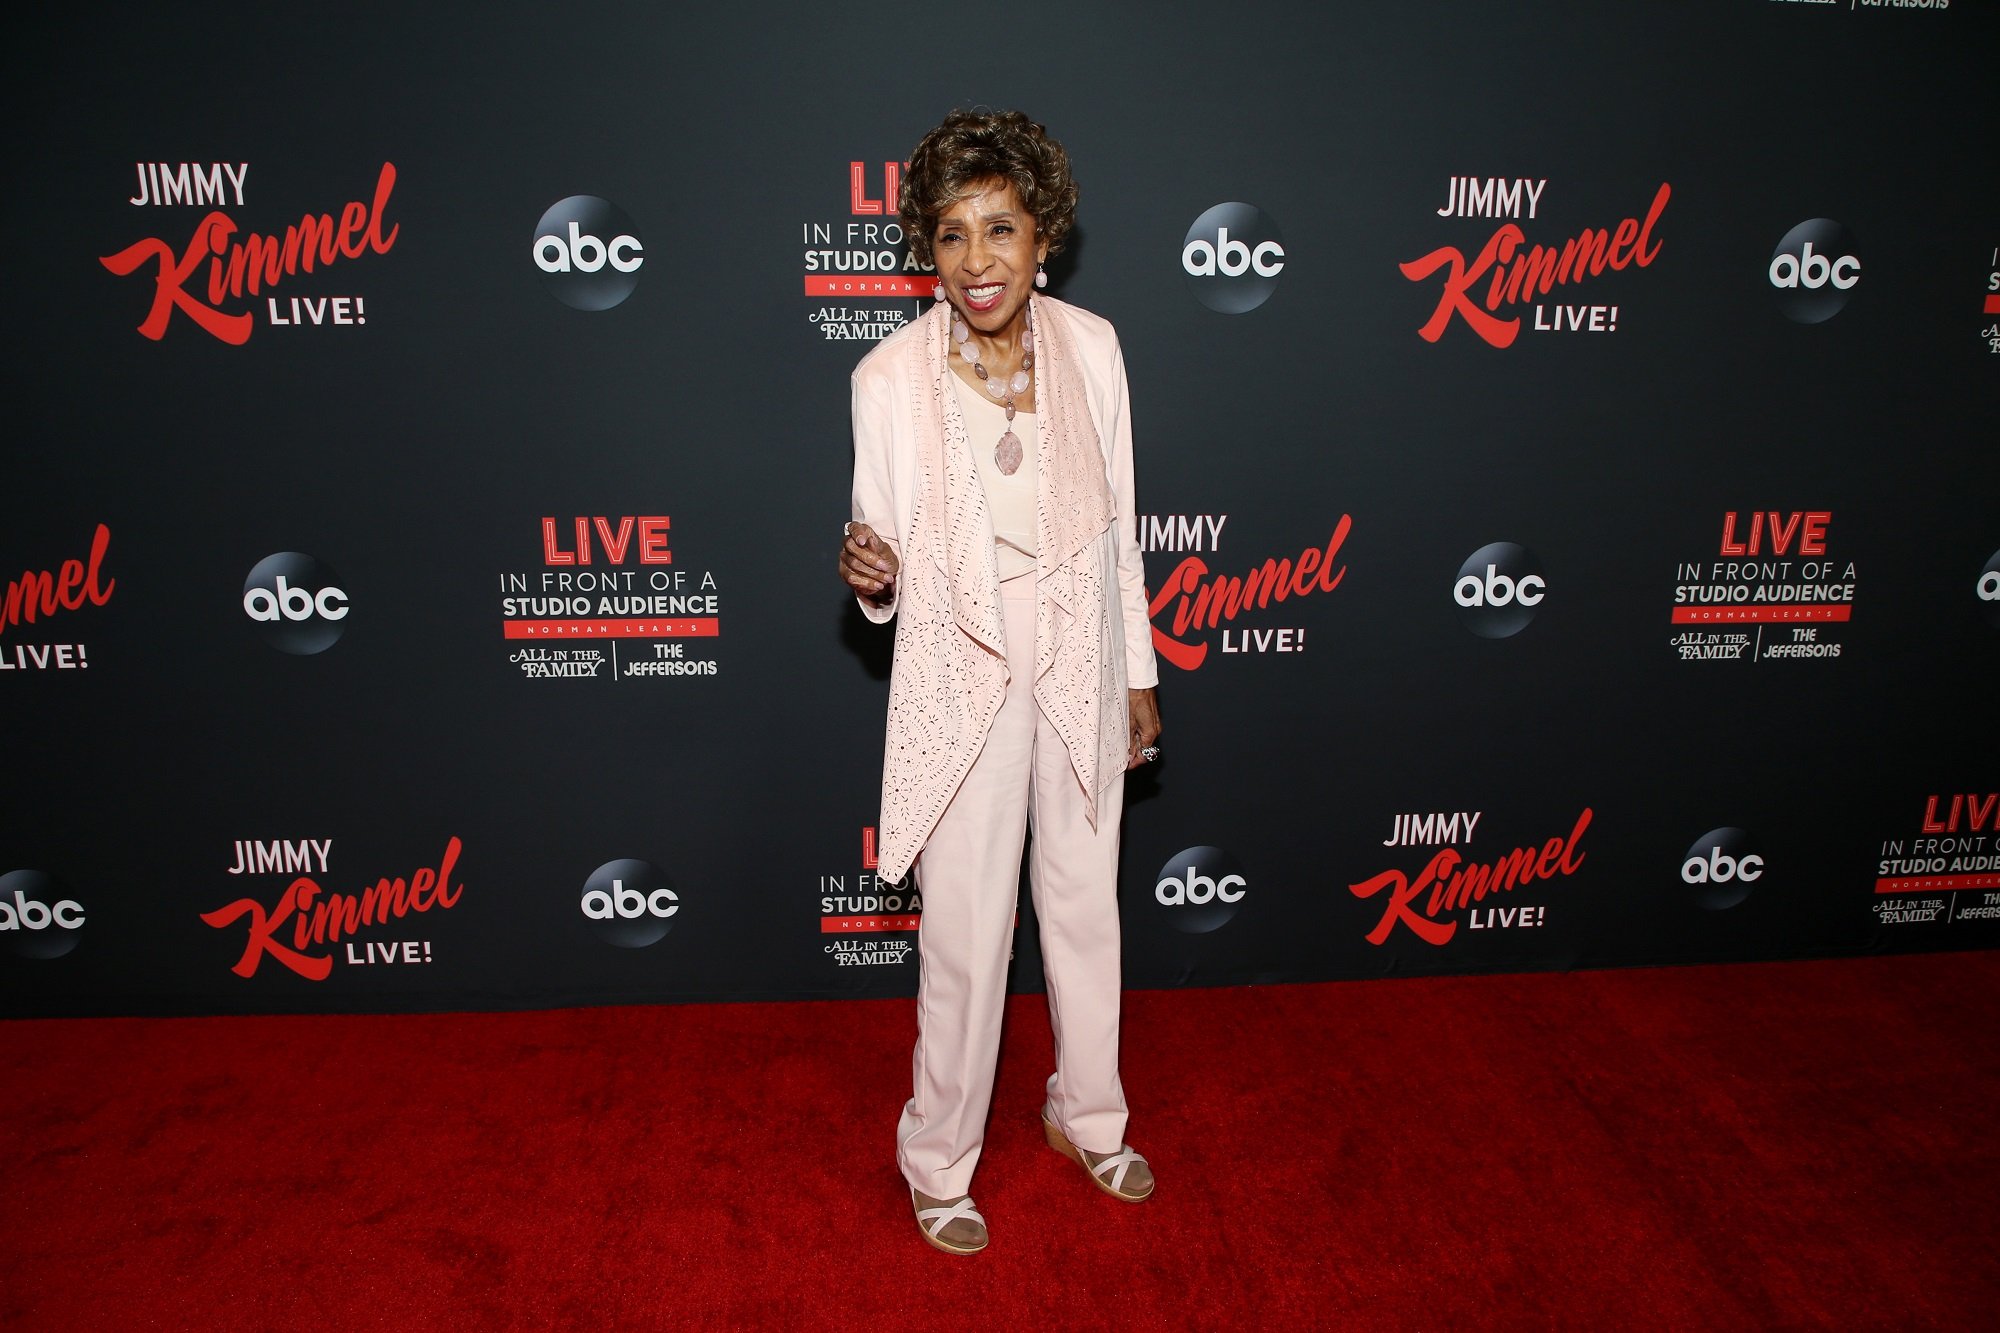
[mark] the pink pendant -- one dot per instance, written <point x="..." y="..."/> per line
<point x="1019" y="383"/>
<point x="1007" y="455"/>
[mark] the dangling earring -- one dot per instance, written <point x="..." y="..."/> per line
<point x="1041" y="278"/>
<point x="937" y="291"/>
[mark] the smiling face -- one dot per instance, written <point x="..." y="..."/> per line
<point x="986" y="251"/>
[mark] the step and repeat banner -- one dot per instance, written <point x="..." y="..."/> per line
<point x="1567" y="471"/>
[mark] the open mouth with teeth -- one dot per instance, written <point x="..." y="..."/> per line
<point x="985" y="296"/>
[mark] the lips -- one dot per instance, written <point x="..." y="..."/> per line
<point x="985" y="296"/>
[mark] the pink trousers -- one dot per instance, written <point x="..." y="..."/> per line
<point x="969" y="873"/>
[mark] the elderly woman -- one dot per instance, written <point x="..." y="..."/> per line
<point x="993" y="518"/>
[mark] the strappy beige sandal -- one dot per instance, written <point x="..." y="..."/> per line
<point x="934" y="1216"/>
<point x="1123" y="1174"/>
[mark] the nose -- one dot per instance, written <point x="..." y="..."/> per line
<point x="977" y="255"/>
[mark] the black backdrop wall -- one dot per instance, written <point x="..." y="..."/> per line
<point x="387" y="628"/>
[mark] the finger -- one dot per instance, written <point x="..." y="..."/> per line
<point x="858" y="557"/>
<point x="872" y="552"/>
<point x="859" y="576"/>
<point x="865" y="577"/>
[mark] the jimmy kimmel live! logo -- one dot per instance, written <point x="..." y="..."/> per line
<point x="1509" y="277"/>
<point x="862" y="280"/>
<point x="44" y="594"/>
<point x="221" y="279"/>
<point x="1451" y="887"/>
<point x="305" y="928"/>
<point x="1774" y="591"/>
<point x="1949" y="870"/>
<point x="1195" y="607"/>
<point x="610" y="603"/>
<point x="871" y="919"/>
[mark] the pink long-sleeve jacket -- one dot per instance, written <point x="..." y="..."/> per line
<point x="917" y="486"/>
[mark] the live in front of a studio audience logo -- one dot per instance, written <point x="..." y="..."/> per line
<point x="870" y="921"/>
<point x="220" y="281"/>
<point x="1194" y="607"/>
<point x="38" y="595"/>
<point x="306" y="928"/>
<point x="1947" y="870"/>
<point x="1431" y="901"/>
<point x="589" y="252"/>
<point x="1507" y="275"/>
<point x="610" y="602"/>
<point x="863" y="282"/>
<point x="1774" y="591"/>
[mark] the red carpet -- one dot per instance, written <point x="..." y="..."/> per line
<point x="1777" y="1145"/>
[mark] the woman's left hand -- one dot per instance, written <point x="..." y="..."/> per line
<point x="1145" y="711"/>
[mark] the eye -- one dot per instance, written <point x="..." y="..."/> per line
<point x="949" y="236"/>
<point x="1002" y="229"/>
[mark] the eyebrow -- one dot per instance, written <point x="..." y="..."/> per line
<point x="950" y="219"/>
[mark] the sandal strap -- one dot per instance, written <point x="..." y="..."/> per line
<point x="944" y="1217"/>
<point x="1123" y="1160"/>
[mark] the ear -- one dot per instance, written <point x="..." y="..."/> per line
<point x="1041" y="249"/>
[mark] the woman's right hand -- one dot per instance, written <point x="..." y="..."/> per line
<point x="867" y="563"/>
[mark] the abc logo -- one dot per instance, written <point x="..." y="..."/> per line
<point x="297" y="602"/>
<point x="1721" y="867"/>
<point x="589" y="252"/>
<point x="1232" y="257"/>
<point x="1988" y="589"/>
<point x="1499" y="589"/>
<point x="1201" y="887"/>
<point x="38" y="918"/>
<point x="630" y="903"/>
<point x="1814" y="270"/>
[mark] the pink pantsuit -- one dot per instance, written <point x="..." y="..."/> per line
<point x="1007" y="712"/>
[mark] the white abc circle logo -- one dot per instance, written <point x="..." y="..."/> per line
<point x="1499" y="588"/>
<point x="1814" y="270"/>
<point x="1204" y="886"/>
<point x="38" y="918"/>
<point x="297" y="601"/>
<point x="1988" y="589"/>
<point x="1232" y="257"/>
<point x="1192" y="886"/>
<point x="589" y="252"/>
<point x="630" y="903"/>
<point x="1721" y="866"/>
